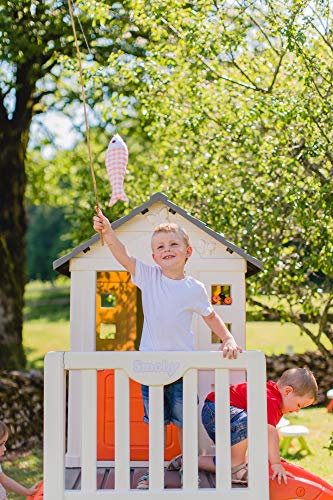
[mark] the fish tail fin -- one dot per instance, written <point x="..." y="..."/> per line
<point x="117" y="196"/>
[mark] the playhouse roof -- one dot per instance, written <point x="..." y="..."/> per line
<point x="253" y="265"/>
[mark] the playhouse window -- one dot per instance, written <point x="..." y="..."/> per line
<point x="215" y="339"/>
<point x="221" y="295"/>
<point x="108" y="331"/>
<point x="108" y="300"/>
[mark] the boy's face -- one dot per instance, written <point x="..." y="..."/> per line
<point x="170" y="250"/>
<point x="3" y="441"/>
<point x="292" y="402"/>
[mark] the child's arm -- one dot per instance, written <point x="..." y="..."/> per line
<point x="120" y="252"/>
<point x="229" y="346"/>
<point x="18" y="489"/>
<point x="279" y="471"/>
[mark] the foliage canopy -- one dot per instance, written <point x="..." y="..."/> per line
<point x="228" y="107"/>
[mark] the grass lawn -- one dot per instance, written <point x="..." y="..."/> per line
<point x="27" y="469"/>
<point x="320" y="424"/>
<point x="46" y="320"/>
<point x="46" y="326"/>
<point x="273" y="337"/>
<point x="40" y="337"/>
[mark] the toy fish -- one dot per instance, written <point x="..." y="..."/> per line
<point x="116" y="162"/>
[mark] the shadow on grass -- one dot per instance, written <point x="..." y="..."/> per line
<point x="48" y="312"/>
<point x="33" y="363"/>
<point x="297" y="455"/>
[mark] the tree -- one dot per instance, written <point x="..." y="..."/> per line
<point x="238" y="105"/>
<point x="233" y="107"/>
<point x="36" y="75"/>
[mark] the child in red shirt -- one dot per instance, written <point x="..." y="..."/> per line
<point x="296" y="389"/>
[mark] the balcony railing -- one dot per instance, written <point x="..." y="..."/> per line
<point x="155" y="369"/>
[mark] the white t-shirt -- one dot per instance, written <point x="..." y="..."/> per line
<point x="168" y="307"/>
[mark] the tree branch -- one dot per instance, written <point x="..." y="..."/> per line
<point x="276" y="72"/>
<point x="208" y="65"/>
<point x="295" y="319"/>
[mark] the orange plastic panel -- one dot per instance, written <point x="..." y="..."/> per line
<point x="139" y="436"/>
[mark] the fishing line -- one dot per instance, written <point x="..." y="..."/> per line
<point x="85" y="107"/>
<point x="84" y="99"/>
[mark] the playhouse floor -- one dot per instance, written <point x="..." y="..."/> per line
<point x="105" y="478"/>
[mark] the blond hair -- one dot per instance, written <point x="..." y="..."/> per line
<point x="170" y="227"/>
<point x="301" y="380"/>
<point x="3" y="430"/>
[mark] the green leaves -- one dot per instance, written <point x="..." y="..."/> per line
<point x="227" y="108"/>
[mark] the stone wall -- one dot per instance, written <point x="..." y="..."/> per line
<point x="21" y="408"/>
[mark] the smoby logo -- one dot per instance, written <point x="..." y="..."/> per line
<point x="163" y="366"/>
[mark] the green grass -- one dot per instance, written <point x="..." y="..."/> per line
<point x="320" y="424"/>
<point x="46" y="325"/>
<point x="27" y="469"/>
<point x="274" y="338"/>
<point x="40" y="337"/>
<point x="47" y="301"/>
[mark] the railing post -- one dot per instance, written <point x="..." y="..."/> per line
<point x="257" y="425"/>
<point x="54" y="426"/>
<point x="89" y="430"/>
<point x="156" y="438"/>
<point x="190" y="430"/>
<point x="222" y="426"/>
<point x="122" y="427"/>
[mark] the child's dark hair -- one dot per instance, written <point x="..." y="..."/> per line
<point x="301" y="380"/>
<point x="3" y="430"/>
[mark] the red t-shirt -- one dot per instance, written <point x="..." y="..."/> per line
<point x="238" y="398"/>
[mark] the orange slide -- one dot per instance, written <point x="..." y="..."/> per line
<point x="304" y="485"/>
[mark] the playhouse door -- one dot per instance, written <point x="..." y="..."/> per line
<point x="118" y="328"/>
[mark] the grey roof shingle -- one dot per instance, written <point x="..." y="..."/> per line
<point x="253" y="265"/>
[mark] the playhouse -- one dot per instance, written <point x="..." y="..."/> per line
<point x="106" y="314"/>
<point x="95" y="442"/>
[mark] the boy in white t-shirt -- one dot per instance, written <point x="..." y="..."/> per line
<point x="169" y="299"/>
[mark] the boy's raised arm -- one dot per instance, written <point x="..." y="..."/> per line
<point x="118" y="249"/>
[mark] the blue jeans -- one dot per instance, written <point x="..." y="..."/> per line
<point x="173" y="403"/>
<point x="238" y="422"/>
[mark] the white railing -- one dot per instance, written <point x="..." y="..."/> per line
<point x="154" y="369"/>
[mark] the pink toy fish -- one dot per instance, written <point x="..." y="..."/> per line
<point x="116" y="162"/>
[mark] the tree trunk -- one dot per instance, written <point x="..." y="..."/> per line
<point x="12" y="248"/>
